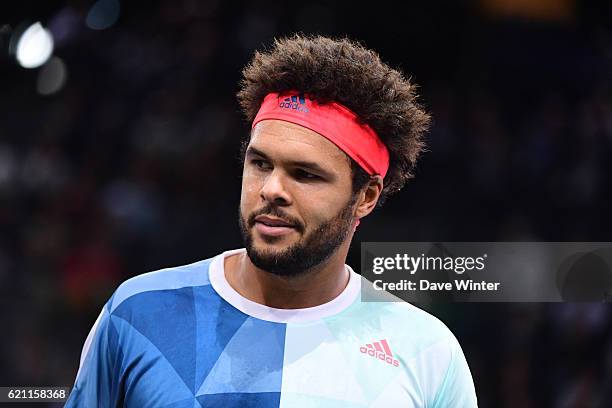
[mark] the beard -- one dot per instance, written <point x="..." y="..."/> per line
<point x="311" y="250"/>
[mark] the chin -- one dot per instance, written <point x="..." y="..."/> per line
<point x="274" y="243"/>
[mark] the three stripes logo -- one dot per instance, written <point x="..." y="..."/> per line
<point x="295" y="102"/>
<point x="380" y="350"/>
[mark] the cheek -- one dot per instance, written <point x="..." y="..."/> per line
<point x="246" y="199"/>
<point x="250" y="186"/>
<point x="318" y="208"/>
<point x="248" y="191"/>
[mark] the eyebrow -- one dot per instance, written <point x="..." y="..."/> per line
<point x="298" y="163"/>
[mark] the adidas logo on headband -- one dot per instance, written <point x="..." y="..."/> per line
<point x="295" y="102"/>
<point x="331" y="120"/>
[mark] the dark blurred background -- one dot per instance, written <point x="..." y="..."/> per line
<point x="120" y="156"/>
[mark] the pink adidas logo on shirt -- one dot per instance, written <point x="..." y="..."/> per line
<point x="380" y="350"/>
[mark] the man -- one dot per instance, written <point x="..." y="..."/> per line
<point x="281" y="323"/>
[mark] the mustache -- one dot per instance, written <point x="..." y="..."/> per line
<point x="275" y="211"/>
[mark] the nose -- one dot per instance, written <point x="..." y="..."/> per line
<point x="274" y="190"/>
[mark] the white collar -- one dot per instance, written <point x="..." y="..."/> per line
<point x="263" y="312"/>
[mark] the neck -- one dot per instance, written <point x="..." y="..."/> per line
<point x="314" y="287"/>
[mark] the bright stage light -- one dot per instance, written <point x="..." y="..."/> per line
<point x="34" y="47"/>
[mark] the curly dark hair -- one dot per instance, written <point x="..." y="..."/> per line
<point x="343" y="71"/>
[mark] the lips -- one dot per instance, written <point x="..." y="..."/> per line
<point x="272" y="227"/>
<point x="272" y="222"/>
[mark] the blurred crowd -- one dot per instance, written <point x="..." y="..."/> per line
<point x="133" y="165"/>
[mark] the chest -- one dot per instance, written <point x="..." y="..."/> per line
<point x="271" y="366"/>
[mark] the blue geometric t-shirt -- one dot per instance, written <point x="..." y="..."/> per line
<point x="184" y="338"/>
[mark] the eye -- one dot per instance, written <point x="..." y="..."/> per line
<point x="260" y="164"/>
<point x="303" y="174"/>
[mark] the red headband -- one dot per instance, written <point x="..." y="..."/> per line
<point x="333" y="121"/>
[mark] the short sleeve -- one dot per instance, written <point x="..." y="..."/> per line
<point x="457" y="389"/>
<point x="98" y="378"/>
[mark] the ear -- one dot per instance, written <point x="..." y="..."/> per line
<point x="368" y="197"/>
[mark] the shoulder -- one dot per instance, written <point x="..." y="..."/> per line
<point x="164" y="280"/>
<point x="406" y="320"/>
<point x="420" y="320"/>
<point x="417" y="333"/>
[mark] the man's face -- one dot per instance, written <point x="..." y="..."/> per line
<point x="296" y="206"/>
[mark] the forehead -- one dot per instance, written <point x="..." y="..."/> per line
<point x="282" y="140"/>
